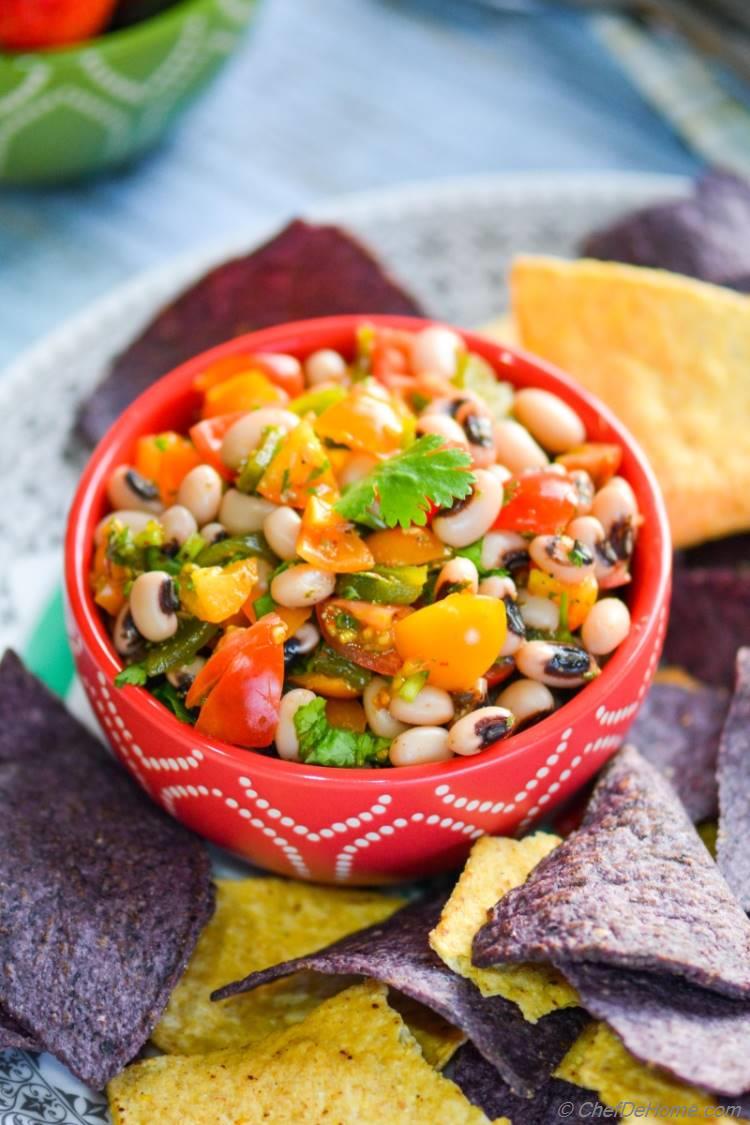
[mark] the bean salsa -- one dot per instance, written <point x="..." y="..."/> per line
<point x="390" y="559"/>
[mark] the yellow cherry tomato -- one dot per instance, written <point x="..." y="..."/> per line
<point x="299" y="470"/>
<point x="330" y="542"/>
<point x="241" y="393"/>
<point x="456" y="639"/>
<point x="215" y="593"/>
<point x="411" y="547"/>
<point x="368" y="419"/>
<point x="580" y="597"/>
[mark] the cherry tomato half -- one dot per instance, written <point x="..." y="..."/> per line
<point x="242" y="685"/>
<point x="600" y="460"/>
<point x="207" y="437"/>
<point x="363" y="632"/>
<point x="540" y="503"/>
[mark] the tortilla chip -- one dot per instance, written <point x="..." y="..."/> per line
<point x="484" y="1087"/>
<point x="397" y="953"/>
<point x="678" y="731"/>
<point x="634" y="887"/>
<point x="670" y="356"/>
<point x="502" y="329"/>
<point x="598" y="1061"/>
<point x="678" y="677"/>
<point x="733" y="852"/>
<point x="709" y="621"/>
<point x="304" y="271"/>
<point x="696" y="1036"/>
<point x="256" y="921"/>
<point x="102" y="896"/>
<point x="706" y="235"/>
<point x="496" y="865"/>
<point x="709" y="832"/>
<point x="352" y="1061"/>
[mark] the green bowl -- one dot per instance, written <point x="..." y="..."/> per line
<point x="66" y="114"/>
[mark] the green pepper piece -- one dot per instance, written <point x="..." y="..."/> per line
<point x="475" y="374"/>
<point x="236" y="547"/>
<point x="317" y="401"/>
<point x="385" y="585"/>
<point x="189" y="639"/>
<point x="259" y="460"/>
<point x="326" y="661"/>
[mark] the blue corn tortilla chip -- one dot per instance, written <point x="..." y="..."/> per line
<point x="699" y="1037"/>
<point x="678" y="730"/>
<point x="733" y="842"/>
<point x="709" y="620"/>
<point x="396" y="952"/>
<point x="12" y="1035"/>
<point x="102" y="896"/>
<point x="706" y="235"/>
<point x="634" y="887"/>
<point x="483" y="1086"/>
<point x="304" y="271"/>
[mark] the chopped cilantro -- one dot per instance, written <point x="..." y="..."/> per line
<point x="474" y="554"/>
<point x="167" y="694"/>
<point x="321" y="744"/>
<point x="162" y="443"/>
<point x="134" y="674"/>
<point x="579" y="554"/>
<point x="402" y="489"/>
<point x="263" y="605"/>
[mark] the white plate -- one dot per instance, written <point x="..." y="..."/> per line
<point x="450" y="243"/>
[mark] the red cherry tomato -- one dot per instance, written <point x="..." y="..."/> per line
<point x="363" y="632"/>
<point x="28" y="24"/>
<point x="600" y="460"/>
<point x="244" y="679"/>
<point x="207" y="437"/>
<point x="539" y="503"/>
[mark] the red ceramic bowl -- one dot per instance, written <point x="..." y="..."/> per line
<point x="362" y="826"/>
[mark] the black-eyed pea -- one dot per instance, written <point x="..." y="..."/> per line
<point x="420" y="746"/>
<point x="125" y="636"/>
<point x="585" y="490"/>
<point x="526" y="700"/>
<point x="325" y="366"/>
<point x="457" y="575"/>
<point x="126" y="488"/>
<point x="300" y="643"/>
<point x="302" y="585"/>
<point x="586" y="529"/>
<point x="247" y="432"/>
<point x="557" y="665"/>
<point x="498" y="586"/>
<point x="444" y="426"/>
<point x="471" y="518"/>
<point x="479" y="730"/>
<point x="515" y="447"/>
<point x="568" y="560"/>
<point x="435" y="350"/>
<point x="614" y="503"/>
<point x="606" y="626"/>
<point x="430" y="707"/>
<point x="516" y="628"/>
<point x="242" y="514"/>
<point x="285" y="739"/>
<point x="553" y="423"/>
<point x="504" y="549"/>
<point x="376" y="700"/>
<point x="183" y="676"/>
<point x="281" y="527"/>
<point x="213" y="532"/>
<point x="539" y="613"/>
<point x="200" y="492"/>
<point x="154" y="604"/>
<point x="178" y="524"/>
<point x="135" y="521"/>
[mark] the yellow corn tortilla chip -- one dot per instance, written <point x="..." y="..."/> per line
<point x="671" y="357"/>
<point x="438" y="1039"/>
<point x="708" y="832"/>
<point x="496" y="865"/>
<point x="352" y="1061"/>
<point x="502" y="329"/>
<point x="257" y="923"/>
<point x="599" y="1061"/>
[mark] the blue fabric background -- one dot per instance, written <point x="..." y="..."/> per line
<point x="330" y="96"/>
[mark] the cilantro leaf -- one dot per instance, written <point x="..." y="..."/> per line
<point x="402" y="489"/>
<point x="134" y="674"/>
<point x="167" y="694"/>
<point x="321" y="744"/>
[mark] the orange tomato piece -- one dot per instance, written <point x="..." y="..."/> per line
<point x="108" y="581"/>
<point x="580" y="597"/>
<point x="456" y="639"/>
<point x="165" y="459"/>
<point x="368" y="419"/>
<point x="207" y="437"/>
<point x="221" y="370"/>
<point x="331" y="687"/>
<point x="330" y="542"/>
<point x="241" y="393"/>
<point x="411" y="547"/>
<point x="284" y="371"/>
<point x="601" y="460"/>
<point x="348" y="714"/>
<point x="215" y="593"/>
<point x="300" y="469"/>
